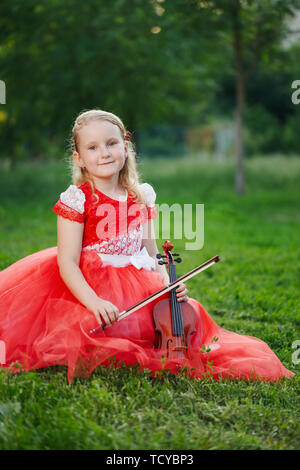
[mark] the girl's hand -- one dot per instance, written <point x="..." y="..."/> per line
<point x="181" y="293"/>
<point x="181" y="290"/>
<point x="103" y="308"/>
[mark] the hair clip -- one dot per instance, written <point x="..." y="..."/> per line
<point x="127" y="136"/>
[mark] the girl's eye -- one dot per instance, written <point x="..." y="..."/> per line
<point x="93" y="147"/>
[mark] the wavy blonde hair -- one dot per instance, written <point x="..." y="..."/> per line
<point x="129" y="177"/>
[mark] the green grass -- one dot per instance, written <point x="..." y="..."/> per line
<point x="255" y="291"/>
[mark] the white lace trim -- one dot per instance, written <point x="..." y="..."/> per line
<point x="128" y="244"/>
<point x="149" y="193"/>
<point x="140" y="260"/>
<point x="73" y="197"/>
<point x="124" y="250"/>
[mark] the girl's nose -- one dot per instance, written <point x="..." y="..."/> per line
<point x="104" y="151"/>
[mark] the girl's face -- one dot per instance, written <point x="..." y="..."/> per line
<point x="101" y="149"/>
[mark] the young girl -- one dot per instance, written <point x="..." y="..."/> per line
<point x="105" y="262"/>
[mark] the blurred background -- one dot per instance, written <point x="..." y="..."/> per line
<point x="210" y="91"/>
<point x="212" y="80"/>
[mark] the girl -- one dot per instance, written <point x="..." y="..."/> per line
<point x="104" y="262"/>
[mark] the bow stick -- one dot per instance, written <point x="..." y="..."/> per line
<point x="161" y="291"/>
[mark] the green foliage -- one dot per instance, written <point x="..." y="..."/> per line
<point x="254" y="292"/>
<point x="152" y="64"/>
<point x="291" y="133"/>
<point x="269" y="63"/>
<point x="263" y="131"/>
<point x="271" y="118"/>
<point x="58" y="58"/>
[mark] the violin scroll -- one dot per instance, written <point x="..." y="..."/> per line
<point x="167" y="247"/>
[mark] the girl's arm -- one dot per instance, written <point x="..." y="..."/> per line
<point x="69" y="246"/>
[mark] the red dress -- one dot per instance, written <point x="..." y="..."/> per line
<point x="43" y="324"/>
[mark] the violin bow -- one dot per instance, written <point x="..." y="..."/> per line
<point x="161" y="291"/>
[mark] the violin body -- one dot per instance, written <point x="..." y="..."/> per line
<point x="173" y="284"/>
<point x="173" y="345"/>
<point x="174" y="322"/>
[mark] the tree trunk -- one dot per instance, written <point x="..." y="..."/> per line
<point x="240" y="101"/>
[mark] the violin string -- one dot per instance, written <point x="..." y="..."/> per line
<point x="174" y="303"/>
<point x="173" y="308"/>
<point x="178" y="314"/>
<point x="176" y="308"/>
<point x="174" y="322"/>
<point x="177" y="321"/>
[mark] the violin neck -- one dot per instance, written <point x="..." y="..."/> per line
<point x="177" y="324"/>
<point x="172" y="273"/>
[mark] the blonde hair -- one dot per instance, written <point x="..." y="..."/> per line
<point x="129" y="177"/>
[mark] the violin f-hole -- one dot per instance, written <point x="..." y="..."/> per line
<point x="168" y="347"/>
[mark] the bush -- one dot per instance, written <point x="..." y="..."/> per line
<point x="291" y="139"/>
<point x="263" y="133"/>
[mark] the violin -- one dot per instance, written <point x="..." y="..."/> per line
<point x="162" y="291"/>
<point x="174" y="322"/>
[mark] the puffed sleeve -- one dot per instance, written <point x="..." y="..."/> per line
<point x="150" y="196"/>
<point x="71" y="204"/>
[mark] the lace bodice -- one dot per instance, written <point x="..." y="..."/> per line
<point x="110" y="226"/>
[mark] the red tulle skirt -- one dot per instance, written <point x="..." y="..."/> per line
<point x="43" y="324"/>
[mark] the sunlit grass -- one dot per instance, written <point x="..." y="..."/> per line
<point x="255" y="291"/>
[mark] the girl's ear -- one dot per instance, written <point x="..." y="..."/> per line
<point x="77" y="159"/>
<point x="126" y="149"/>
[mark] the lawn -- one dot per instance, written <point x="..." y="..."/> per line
<point x="254" y="291"/>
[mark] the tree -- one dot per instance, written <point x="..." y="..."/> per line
<point x="247" y="33"/>
<point x="58" y="58"/>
